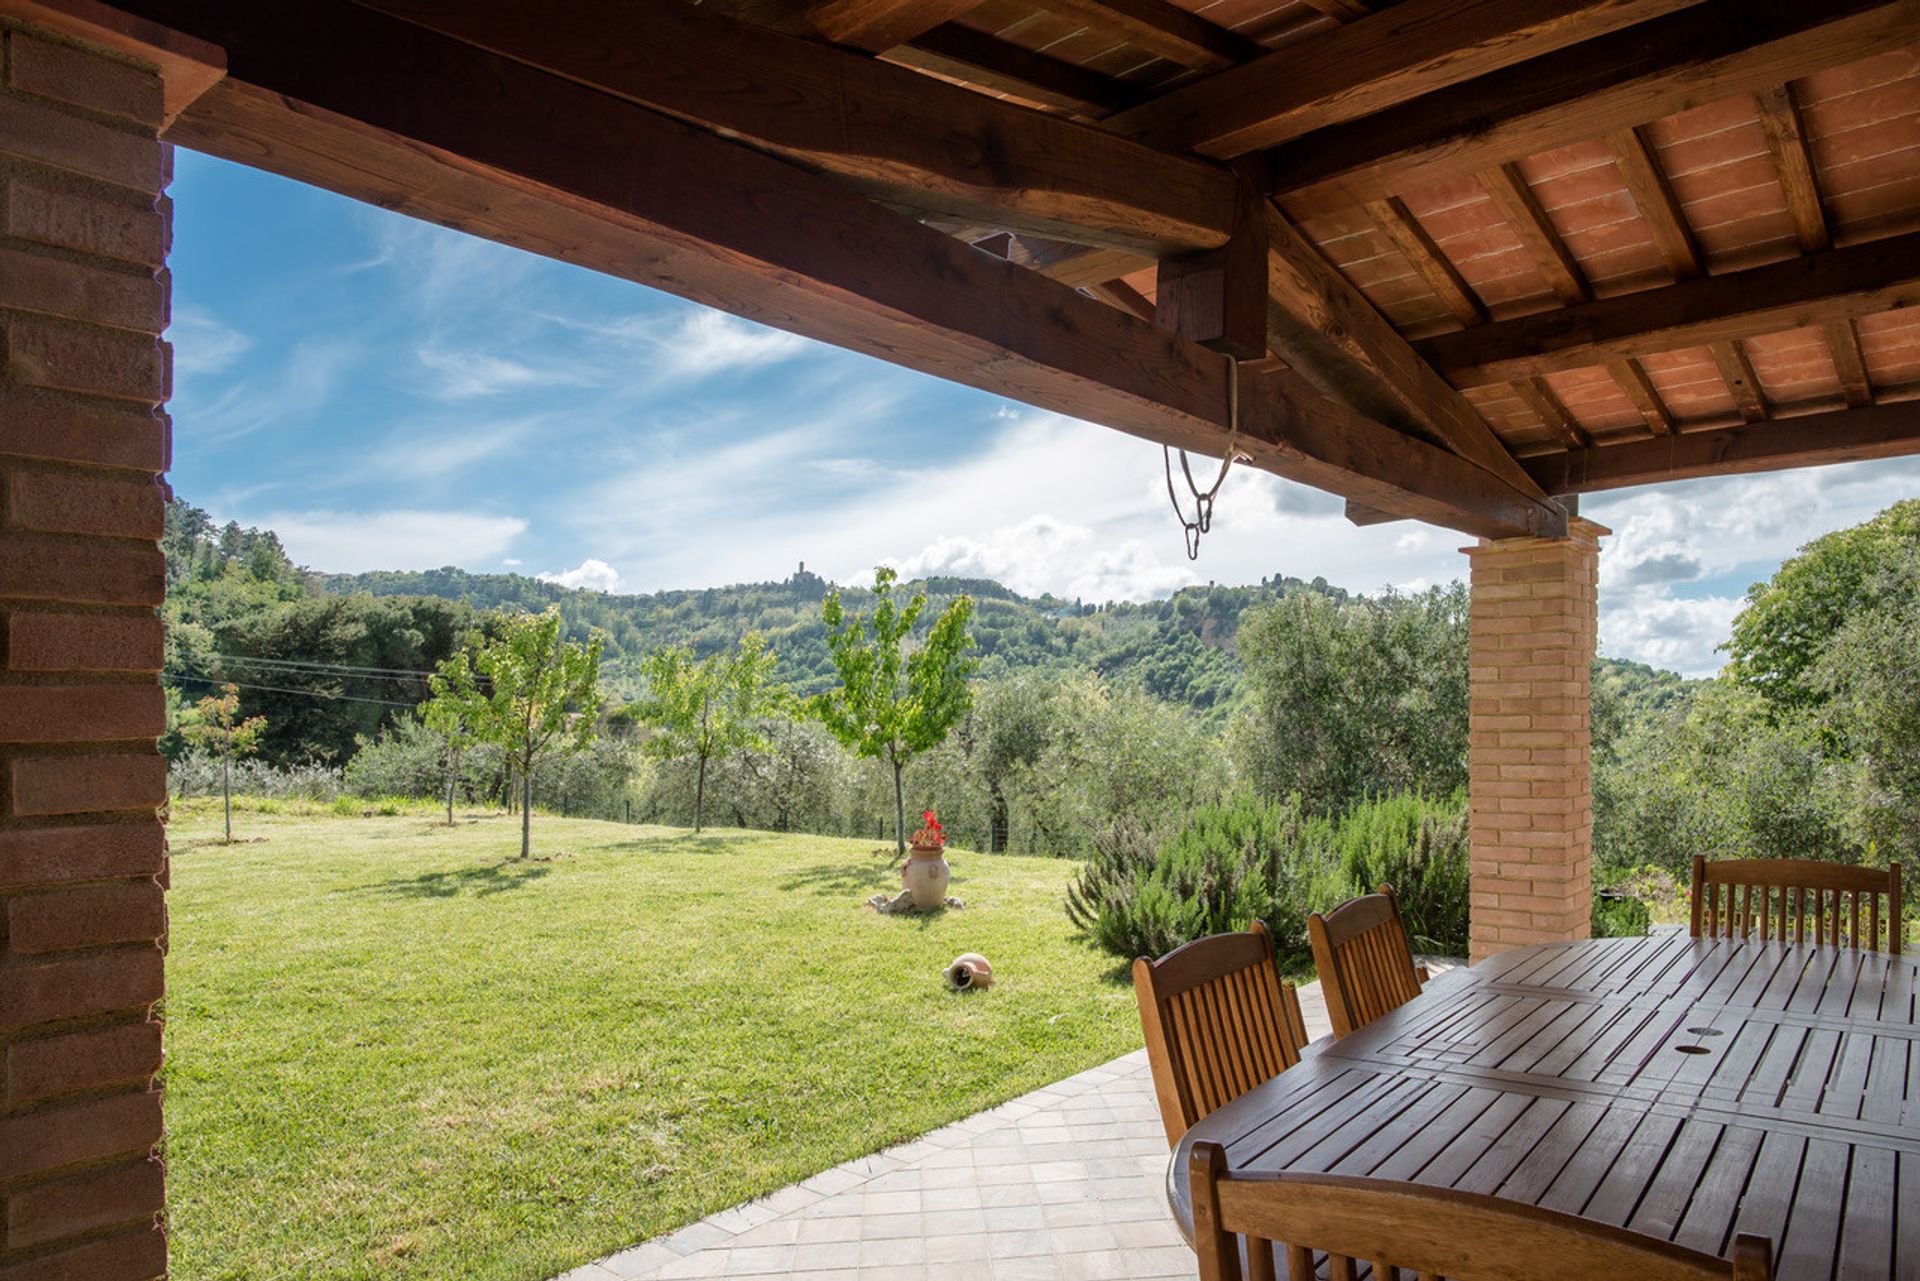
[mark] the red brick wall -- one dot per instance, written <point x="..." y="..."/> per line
<point x="1530" y="740"/>
<point x="83" y="373"/>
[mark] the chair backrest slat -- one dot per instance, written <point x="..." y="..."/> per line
<point x="1431" y="1232"/>
<point x="1365" y="962"/>
<point x="1218" y="1021"/>
<point x="1840" y="899"/>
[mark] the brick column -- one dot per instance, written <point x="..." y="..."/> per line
<point x="83" y="374"/>
<point x="1531" y="735"/>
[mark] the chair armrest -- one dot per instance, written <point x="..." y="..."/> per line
<point x="1420" y="972"/>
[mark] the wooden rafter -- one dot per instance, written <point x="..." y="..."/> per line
<point x="1787" y="140"/>
<point x="1540" y="398"/>
<point x="1163" y="28"/>
<point x="1370" y="64"/>
<point x="915" y="142"/>
<point x="1074" y="265"/>
<point x="1633" y="380"/>
<point x="1321" y="325"/>
<point x="1398" y="224"/>
<point x="1647" y="182"/>
<point x="436" y="128"/>
<point x="1730" y="358"/>
<point x="879" y="25"/>
<point x="1614" y="82"/>
<point x="1514" y="198"/>
<point x="1118" y="293"/>
<point x="1842" y="436"/>
<point x="1858" y="280"/>
<point x="1003" y="67"/>
<point x="1844" y="342"/>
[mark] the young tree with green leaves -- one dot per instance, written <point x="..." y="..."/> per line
<point x="708" y="708"/>
<point x="893" y="704"/>
<point x="536" y="694"/>
<point x="454" y="713"/>
<point x="219" y="729"/>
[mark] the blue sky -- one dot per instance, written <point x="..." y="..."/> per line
<point x="392" y="395"/>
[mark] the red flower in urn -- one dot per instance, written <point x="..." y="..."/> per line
<point x="931" y="835"/>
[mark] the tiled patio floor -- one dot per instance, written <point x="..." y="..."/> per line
<point x="1062" y="1184"/>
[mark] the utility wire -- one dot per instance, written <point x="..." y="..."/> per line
<point x="282" y="689"/>
<point x="318" y="666"/>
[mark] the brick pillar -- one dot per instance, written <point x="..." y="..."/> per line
<point x="1529" y="759"/>
<point x="83" y="375"/>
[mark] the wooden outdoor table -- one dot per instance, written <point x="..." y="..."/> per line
<point x="1686" y="1088"/>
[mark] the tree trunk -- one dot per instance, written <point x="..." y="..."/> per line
<point x="700" y="796"/>
<point x="899" y="809"/>
<point x="453" y="775"/>
<point x="526" y="813"/>
<point x="226" y="794"/>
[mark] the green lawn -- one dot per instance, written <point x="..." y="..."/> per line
<point x="394" y="1053"/>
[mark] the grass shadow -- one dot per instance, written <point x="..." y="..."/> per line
<point x="481" y="882"/>
<point x="830" y="880"/>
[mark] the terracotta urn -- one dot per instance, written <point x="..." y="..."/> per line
<point x="926" y="875"/>
<point x="969" y="969"/>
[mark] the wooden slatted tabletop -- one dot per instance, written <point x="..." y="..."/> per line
<point x="1687" y="1088"/>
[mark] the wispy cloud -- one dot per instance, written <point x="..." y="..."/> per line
<point x="343" y="542"/>
<point x="202" y="345"/>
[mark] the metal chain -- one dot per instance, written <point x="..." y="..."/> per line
<point x="1202" y="521"/>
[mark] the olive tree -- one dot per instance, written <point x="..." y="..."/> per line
<point x="708" y="708"/>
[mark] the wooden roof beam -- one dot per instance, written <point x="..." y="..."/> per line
<point x="1787" y="139"/>
<point x="1513" y="196"/>
<point x="1614" y="82"/>
<point x="913" y="142"/>
<point x="1162" y="28"/>
<point x="879" y="25"/>
<point x="1841" y="436"/>
<point x="1647" y="183"/>
<point x="1398" y="225"/>
<point x="1370" y="64"/>
<point x="1001" y="66"/>
<point x="1858" y="280"/>
<point x="443" y="131"/>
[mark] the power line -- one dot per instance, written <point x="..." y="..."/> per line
<point x="282" y="689"/>
<point x="308" y="664"/>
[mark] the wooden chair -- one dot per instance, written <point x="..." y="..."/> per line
<point x="1365" y="962"/>
<point x="1732" y="898"/>
<point x="1218" y="1021"/>
<point x="1424" y="1231"/>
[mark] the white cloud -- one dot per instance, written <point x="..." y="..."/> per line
<point x="420" y="454"/>
<point x="202" y="345"/>
<point x="355" y="542"/>
<point x="511" y="562"/>
<point x="707" y="342"/>
<point x="462" y="375"/>
<point x="595" y="575"/>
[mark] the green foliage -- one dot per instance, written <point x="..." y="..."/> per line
<point x="1868" y="678"/>
<point x="1357" y="698"/>
<point x="892" y="704"/>
<point x="1229" y="864"/>
<point x="1789" y="621"/>
<point x="709" y="708"/>
<point x="1619" y="916"/>
<point x="536" y="695"/>
<point x="217" y="727"/>
<point x="1420" y="847"/>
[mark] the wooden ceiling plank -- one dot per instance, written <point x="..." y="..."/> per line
<point x="1118" y="293"/>
<point x="1368" y="65"/>
<point x="1844" y="342"/>
<point x="879" y="25"/>
<point x="1627" y="78"/>
<point x="1160" y="27"/>
<point x="1513" y="197"/>
<point x="1322" y="326"/>
<point x="1633" y="380"/>
<point x="1004" y="67"/>
<point x="913" y="142"/>
<point x="1787" y="139"/>
<point x="1398" y="224"/>
<point x="1074" y="265"/>
<point x="1841" y="436"/>
<point x="1737" y="372"/>
<point x="441" y="130"/>
<point x="1862" y="279"/>
<point x="1647" y="182"/>
<point x="1540" y="399"/>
